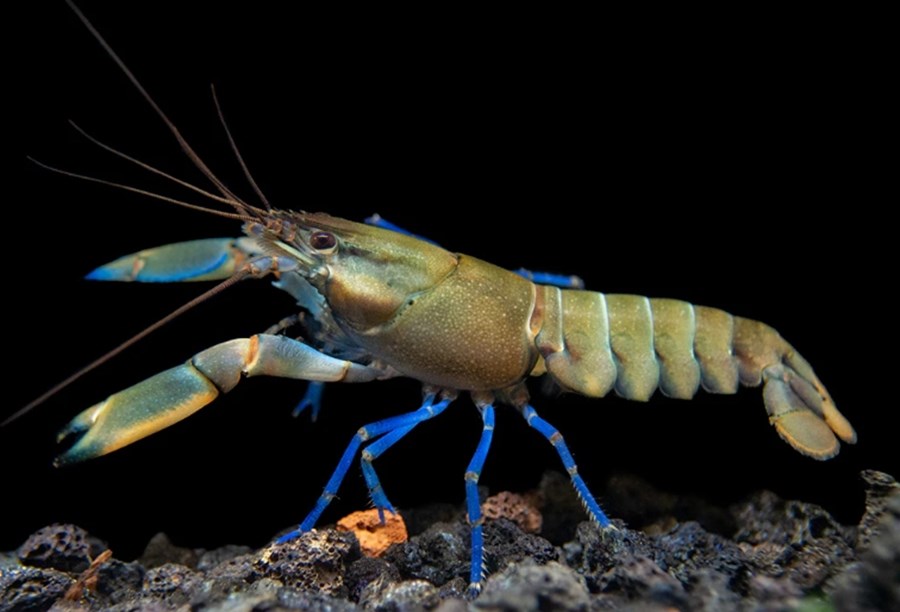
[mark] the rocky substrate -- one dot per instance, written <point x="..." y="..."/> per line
<point x="781" y="555"/>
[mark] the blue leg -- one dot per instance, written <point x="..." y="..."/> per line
<point x="365" y="433"/>
<point x="556" y="439"/>
<point x="473" y="504"/>
<point x="379" y="221"/>
<point x="548" y="278"/>
<point x="375" y="449"/>
<point x="311" y="399"/>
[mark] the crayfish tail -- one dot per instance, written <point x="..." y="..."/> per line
<point x="798" y="413"/>
<point x="799" y="406"/>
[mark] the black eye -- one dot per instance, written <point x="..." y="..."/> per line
<point x="322" y="241"/>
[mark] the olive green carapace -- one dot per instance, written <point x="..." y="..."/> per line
<point x="469" y="332"/>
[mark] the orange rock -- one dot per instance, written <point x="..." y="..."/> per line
<point x="517" y="508"/>
<point x="374" y="538"/>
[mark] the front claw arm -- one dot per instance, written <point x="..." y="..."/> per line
<point x="194" y="260"/>
<point x="172" y="395"/>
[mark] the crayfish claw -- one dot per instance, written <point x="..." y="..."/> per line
<point x="80" y="424"/>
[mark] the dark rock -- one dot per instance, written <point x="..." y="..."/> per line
<point x="874" y="582"/>
<point x="314" y="561"/>
<point x="880" y="487"/>
<point x="779" y="593"/>
<point x="295" y="600"/>
<point x="786" y="555"/>
<point x="171" y="584"/>
<point x="505" y="543"/>
<point x="526" y="586"/>
<point x="795" y="539"/>
<point x="689" y="548"/>
<point x="367" y="570"/>
<point x="28" y="589"/>
<point x="387" y="596"/>
<point x="437" y="555"/>
<point x="117" y="580"/>
<point x="211" y="558"/>
<point x="452" y="604"/>
<point x="64" y="547"/>
<point x="267" y="594"/>
<point x="160" y="550"/>
<point x="711" y="590"/>
<point x="600" y="549"/>
<point x="639" y="577"/>
<point x="455" y="589"/>
<point x="135" y="606"/>
<point x="228" y="577"/>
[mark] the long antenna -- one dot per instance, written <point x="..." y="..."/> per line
<point x="243" y="212"/>
<point x="188" y="150"/>
<point x="240" y="275"/>
<point x="144" y="192"/>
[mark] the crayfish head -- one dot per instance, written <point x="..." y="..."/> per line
<point x="365" y="273"/>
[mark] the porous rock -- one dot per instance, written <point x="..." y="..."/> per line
<point x="791" y="538"/>
<point x="374" y="536"/>
<point x="31" y="589"/>
<point x="66" y="548"/>
<point x="314" y="561"/>
<point x="528" y="586"/>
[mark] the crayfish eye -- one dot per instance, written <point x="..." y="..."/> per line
<point x="322" y="241"/>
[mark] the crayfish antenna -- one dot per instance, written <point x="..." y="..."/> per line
<point x="238" y="276"/>
<point x="230" y="197"/>
<point x="237" y="153"/>
<point x="144" y="192"/>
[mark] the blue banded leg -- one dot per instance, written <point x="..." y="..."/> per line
<point x="473" y="504"/>
<point x="311" y="399"/>
<point x="375" y="449"/>
<point x="367" y="432"/>
<point x="552" y="434"/>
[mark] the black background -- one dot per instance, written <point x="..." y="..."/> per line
<point x="739" y="171"/>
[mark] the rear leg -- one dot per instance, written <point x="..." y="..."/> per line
<point x="473" y="502"/>
<point x="559" y="444"/>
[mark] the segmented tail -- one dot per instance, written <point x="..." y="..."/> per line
<point x="592" y="343"/>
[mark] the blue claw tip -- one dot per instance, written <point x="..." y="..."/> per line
<point x="103" y="273"/>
